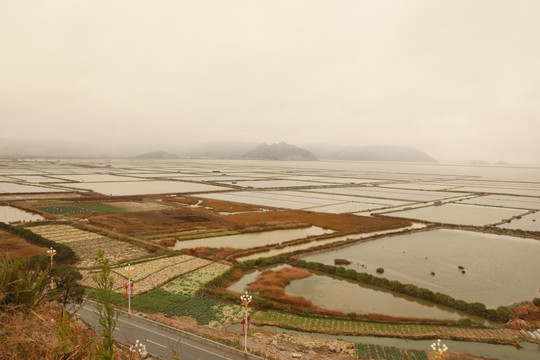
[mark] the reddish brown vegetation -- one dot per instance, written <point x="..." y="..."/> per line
<point x="15" y="246"/>
<point x="271" y="285"/>
<point x="338" y="222"/>
<point x="216" y="205"/>
<point x="158" y="221"/>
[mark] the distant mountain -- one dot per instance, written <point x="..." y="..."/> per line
<point x="281" y="151"/>
<point x="370" y="153"/>
<point x="219" y="150"/>
<point x="476" y="162"/>
<point x="157" y="155"/>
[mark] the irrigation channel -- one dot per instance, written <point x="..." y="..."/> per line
<point x="529" y="351"/>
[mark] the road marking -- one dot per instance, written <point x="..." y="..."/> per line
<point x="158" y="344"/>
<point x="168" y="337"/>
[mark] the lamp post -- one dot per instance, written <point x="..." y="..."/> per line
<point x="51" y="253"/>
<point x="246" y="299"/>
<point x="138" y="348"/>
<point x="439" y="348"/>
<point x="129" y="287"/>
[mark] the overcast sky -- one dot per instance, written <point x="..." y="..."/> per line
<point x="457" y="79"/>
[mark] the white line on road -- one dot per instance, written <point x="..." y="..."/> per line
<point x="158" y="344"/>
<point x="168" y="337"/>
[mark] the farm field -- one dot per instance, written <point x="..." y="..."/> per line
<point x="364" y="328"/>
<point x="375" y="352"/>
<point x="85" y="244"/>
<point x="160" y="202"/>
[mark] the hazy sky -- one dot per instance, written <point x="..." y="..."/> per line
<point x="457" y="79"/>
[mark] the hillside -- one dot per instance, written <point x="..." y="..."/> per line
<point x="157" y="155"/>
<point x="281" y="151"/>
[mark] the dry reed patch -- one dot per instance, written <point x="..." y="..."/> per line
<point x="16" y="247"/>
<point x="338" y="222"/>
<point x="35" y="334"/>
<point x="164" y="221"/>
<point x="217" y="205"/>
<point x="271" y="284"/>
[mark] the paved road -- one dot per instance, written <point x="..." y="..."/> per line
<point x="162" y="340"/>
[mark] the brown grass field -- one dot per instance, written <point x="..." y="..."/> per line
<point x="248" y="219"/>
<point x="16" y="247"/>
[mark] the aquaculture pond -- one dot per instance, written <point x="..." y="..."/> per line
<point x="315" y="243"/>
<point x="346" y="296"/>
<point x="489" y="274"/>
<point x="9" y="214"/>
<point x="460" y="214"/>
<point x="143" y="187"/>
<point x="250" y="240"/>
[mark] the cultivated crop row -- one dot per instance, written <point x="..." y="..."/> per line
<point x="337" y="326"/>
<point x="64" y="233"/>
<point x="208" y="311"/>
<point x="161" y="277"/>
<point x="381" y="352"/>
<point x="142" y="270"/>
<point x="190" y="283"/>
<point x="86" y="244"/>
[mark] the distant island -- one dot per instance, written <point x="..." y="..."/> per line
<point x="157" y="155"/>
<point x="281" y="151"/>
<point x="289" y="152"/>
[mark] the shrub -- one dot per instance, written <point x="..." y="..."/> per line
<point x="380" y="270"/>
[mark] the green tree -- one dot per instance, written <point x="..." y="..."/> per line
<point x="67" y="288"/>
<point x="105" y="310"/>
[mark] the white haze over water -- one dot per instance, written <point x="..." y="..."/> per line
<point x="456" y="79"/>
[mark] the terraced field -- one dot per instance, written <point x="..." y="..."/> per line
<point x="364" y="328"/>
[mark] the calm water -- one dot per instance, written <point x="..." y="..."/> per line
<point x="249" y="240"/>
<point x="346" y="296"/>
<point x="144" y="187"/>
<point x="500" y="270"/>
<point x="10" y="214"/>
<point x="315" y="243"/>
<point x="460" y="214"/>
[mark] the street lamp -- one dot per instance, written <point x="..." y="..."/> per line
<point x="51" y="253"/>
<point x="129" y="286"/>
<point x="139" y="348"/>
<point x="440" y="348"/>
<point x="246" y="299"/>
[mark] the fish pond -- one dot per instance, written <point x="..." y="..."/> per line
<point x="9" y="214"/>
<point x="346" y="296"/>
<point x="488" y="273"/>
<point x="250" y="240"/>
